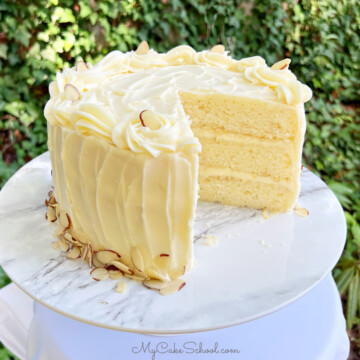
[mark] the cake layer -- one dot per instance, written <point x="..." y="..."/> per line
<point x="276" y="158"/>
<point x="118" y="200"/>
<point x="247" y="190"/>
<point x="243" y="115"/>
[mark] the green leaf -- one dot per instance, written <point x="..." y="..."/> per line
<point x="3" y="51"/>
<point x="22" y="35"/>
<point x="352" y="300"/>
<point x="345" y="279"/>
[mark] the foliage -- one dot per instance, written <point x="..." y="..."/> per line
<point x="322" y="37"/>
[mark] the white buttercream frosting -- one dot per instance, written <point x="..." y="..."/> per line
<point x="113" y="92"/>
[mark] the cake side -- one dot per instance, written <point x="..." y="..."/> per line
<point x="118" y="201"/>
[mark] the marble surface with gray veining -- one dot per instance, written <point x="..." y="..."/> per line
<point x="255" y="267"/>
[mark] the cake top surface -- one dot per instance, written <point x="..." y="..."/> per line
<point x="132" y="100"/>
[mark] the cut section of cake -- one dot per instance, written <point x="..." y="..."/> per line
<point x="137" y="138"/>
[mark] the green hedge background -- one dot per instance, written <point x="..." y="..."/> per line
<point x="37" y="38"/>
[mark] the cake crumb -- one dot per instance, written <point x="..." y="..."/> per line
<point x="264" y="251"/>
<point x="211" y="240"/>
<point x="103" y="303"/>
<point x="262" y="242"/>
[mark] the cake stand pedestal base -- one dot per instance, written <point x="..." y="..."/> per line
<point x="311" y="328"/>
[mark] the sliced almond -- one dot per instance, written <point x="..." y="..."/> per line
<point x="154" y="284"/>
<point x="300" y="211"/>
<point x="172" y="287"/>
<point x="99" y="274"/>
<point x="89" y="255"/>
<point x="52" y="200"/>
<point x="281" y="65"/>
<point x="150" y="120"/>
<point x="121" y="287"/>
<point x="51" y="214"/>
<point x="107" y="256"/>
<point x="137" y="259"/>
<point x="84" y="252"/>
<point x="143" y="48"/>
<point x="122" y="267"/>
<point x="96" y="262"/>
<point x="134" y="277"/>
<point x="115" y="274"/>
<point x="71" y="93"/>
<point x="155" y="274"/>
<point x="174" y="274"/>
<point x="81" y="66"/>
<point x="68" y="237"/>
<point x="64" y="219"/>
<point x="218" y="49"/>
<point x="64" y="246"/>
<point x="74" y="253"/>
<point x="57" y="209"/>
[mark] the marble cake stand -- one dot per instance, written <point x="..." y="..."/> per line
<point x="258" y="266"/>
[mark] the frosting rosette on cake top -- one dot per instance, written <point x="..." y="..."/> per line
<point x="105" y="100"/>
<point x="155" y="134"/>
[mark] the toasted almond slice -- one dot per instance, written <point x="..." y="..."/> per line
<point x="89" y="254"/>
<point x="137" y="259"/>
<point x="81" y="66"/>
<point x="64" y="246"/>
<point x="51" y="214"/>
<point x="154" y="284"/>
<point x="281" y="65"/>
<point x="64" y="220"/>
<point x="300" y="211"/>
<point x="68" y="237"/>
<point x="121" y="287"/>
<point x="99" y="274"/>
<point x="56" y="206"/>
<point x="107" y="256"/>
<point x="122" y="267"/>
<point x="150" y="119"/>
<point x="155" y="274"/>
<point x="172" y="287"/>
<point x="96" y="262"/>
<point x="218" y="49"/>
<point x="84" y="252"/>
<point x="52" y="200"/>
<point x="74" y="253"/>
<point x="71" y="93"/>
<point x="134" y="277"/>
<point x="115" y="274"/>
<point x="143" y="48"/>
<point x="174" y="274"/>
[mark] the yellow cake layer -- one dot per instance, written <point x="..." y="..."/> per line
<point x="245" y="190"/>
<point x="243" y="115"/>
<point x="263" y="157"/>
<point x="117" y="199"/>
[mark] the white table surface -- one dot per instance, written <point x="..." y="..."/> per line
<point x="312" y="328"/>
